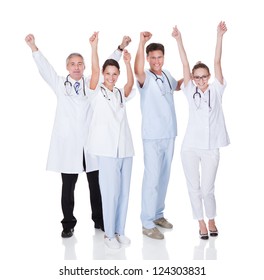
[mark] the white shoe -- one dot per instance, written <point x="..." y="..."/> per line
<point x="112" y="243"/>
<point x="123" y="239"/>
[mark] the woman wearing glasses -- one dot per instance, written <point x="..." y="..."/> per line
<point x="205" y="134"/>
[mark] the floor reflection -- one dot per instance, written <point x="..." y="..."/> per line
<point x="205" y="250"/>
<point x="101" y="252"/>
<point x="154" y="249"/>
<point x="69" y="251"/>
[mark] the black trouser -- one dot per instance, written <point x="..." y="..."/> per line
<point x="67" y="199"/>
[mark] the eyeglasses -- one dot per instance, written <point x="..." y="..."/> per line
<point x="198" y="78"/>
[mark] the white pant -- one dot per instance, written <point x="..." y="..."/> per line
<point x="114" y="180"/>
<point x="158" y="156"/>
<point x="201" y="187"/>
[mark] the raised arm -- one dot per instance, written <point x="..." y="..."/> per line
<point x="95" y="61"/>
<point x="125" y="42"/>
<point x="46" y="70"/>
<point x="30" y="40"/>
<point x="221" y="29"/>
<point x="130" y="78"/>
<point x="185" y="63"/>
<point x="140" y="57"/>
<point x="116" y="55"/>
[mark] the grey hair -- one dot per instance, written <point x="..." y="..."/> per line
<point x="72" y="55"/>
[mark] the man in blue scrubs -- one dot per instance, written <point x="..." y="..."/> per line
<point x="159" y="129"/>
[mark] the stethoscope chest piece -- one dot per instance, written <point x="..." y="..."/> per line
<point x="197" y="95"/>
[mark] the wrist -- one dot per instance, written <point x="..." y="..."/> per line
<point x="120" y="48"/>
<point x="34" y="49"/>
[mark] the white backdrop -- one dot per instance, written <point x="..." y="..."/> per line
<point x="29" y="205"/>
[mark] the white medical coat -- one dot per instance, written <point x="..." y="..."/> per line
<point x="206" y="127"/>
<point x="71" y="122"/>
<point x="109" y="132"/>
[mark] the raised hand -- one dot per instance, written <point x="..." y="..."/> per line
<point x="126" y="56"/>
<point x="94" y="39"/>
<point x="145" y="36"/>
<point x="221" y="28"/>
<point x="176" y="33"/>
<point x="30" y="40"/>
<point x="125" y="42"/>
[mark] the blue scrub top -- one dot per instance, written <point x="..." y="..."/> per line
<point x="157" y="106"/>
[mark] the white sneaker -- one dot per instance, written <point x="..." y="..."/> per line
<point x="112" y="243"/>
<point x="123" y="239"/>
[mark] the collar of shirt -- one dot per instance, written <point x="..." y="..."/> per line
<point x="109" y="92"/>
<point x="74" y="81"/>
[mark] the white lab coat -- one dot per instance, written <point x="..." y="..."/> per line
<point x="71" y="121"/>
<point x="206" y="127"/>
<point x="109" y="132"/>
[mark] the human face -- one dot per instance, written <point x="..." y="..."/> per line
<point x="76" y="67"/>
<point x="111" y="74"/>
<point x="156" y="61"/>
<point x="201" y="78"/>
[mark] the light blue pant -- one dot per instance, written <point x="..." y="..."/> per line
<point x="158" y="156"/>
<point x="114" y="180"/>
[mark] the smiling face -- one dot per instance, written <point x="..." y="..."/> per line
<point x="111" y="74"/>
<point x="75" y="66"/>
<point x="201" y="76"/>
<point x="156" y="61"/>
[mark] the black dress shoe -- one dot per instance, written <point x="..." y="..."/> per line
<point x="213" y="233"/>
<point x="99" y="226"/>
<point x="66" y="233"/>
<point x="203" y="236"/>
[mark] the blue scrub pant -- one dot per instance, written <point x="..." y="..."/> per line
<point x="114" y="179"/>
<point x="158" y="156"/>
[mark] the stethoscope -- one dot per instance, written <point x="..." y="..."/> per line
<point x="68" y="85"/>
<point x="162" y="81"/>
<point x="104" y="92"/>
<point x="200" y="97"/>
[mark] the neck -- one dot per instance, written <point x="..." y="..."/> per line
<point x="203" y="89"/>
<point x="75" y="78"/>
<point x="109" y="87"/>
<point x="157" y="72"/>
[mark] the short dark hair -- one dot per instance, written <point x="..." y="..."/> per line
<point x="111" y="62"/>
<point x="199" y="64"/>
<point x="155" y="47"/>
